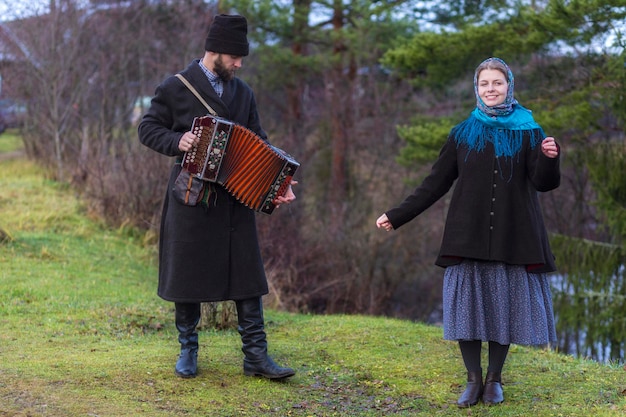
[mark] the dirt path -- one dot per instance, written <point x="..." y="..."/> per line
<point x="6" y="156"/>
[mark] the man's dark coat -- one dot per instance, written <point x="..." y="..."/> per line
<point x="206" y="253"/>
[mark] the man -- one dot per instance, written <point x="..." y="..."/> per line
<point x="209" y="251"/>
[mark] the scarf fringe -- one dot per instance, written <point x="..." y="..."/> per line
<point x="507" y="141"/>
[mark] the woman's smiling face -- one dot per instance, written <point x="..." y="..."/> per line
<point x="492" y="87"/>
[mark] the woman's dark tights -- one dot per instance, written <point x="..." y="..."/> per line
<point x="470" y="350"/>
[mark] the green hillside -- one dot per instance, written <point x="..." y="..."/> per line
<point x="82" y="333"/>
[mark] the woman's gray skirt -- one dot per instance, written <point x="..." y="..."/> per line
<point x="493" y="301"/>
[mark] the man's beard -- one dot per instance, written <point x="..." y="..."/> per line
<point x="224" y="73"/>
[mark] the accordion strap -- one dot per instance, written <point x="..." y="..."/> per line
<point x="195" y="93"/>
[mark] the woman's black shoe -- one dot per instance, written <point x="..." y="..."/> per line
<point x="493" y="393"/>
<point x="473" y="390"/>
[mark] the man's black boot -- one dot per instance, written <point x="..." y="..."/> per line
<point x="254" y="343"/>
<point x="187" y="318"/>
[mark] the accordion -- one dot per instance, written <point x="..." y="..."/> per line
<point x="249" y="168"/>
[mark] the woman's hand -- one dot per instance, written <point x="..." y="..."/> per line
<point x="549" y="147"/>
<point x="384" y="223"/>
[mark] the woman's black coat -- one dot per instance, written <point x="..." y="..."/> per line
<point x="206" y="253"/>
<point x="494" y="213"/>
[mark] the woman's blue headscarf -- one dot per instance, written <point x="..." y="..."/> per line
<point x="501" y="109"/>
<point x="503" y="125"/>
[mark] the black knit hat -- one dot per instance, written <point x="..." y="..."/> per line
<point x="227" y="35"/>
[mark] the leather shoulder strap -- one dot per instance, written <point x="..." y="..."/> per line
<point x="195" y="93"/>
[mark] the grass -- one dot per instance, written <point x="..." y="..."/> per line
<point x="82" y="333"/>
<point x="10" y="141"/>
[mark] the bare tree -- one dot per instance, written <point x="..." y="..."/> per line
<point x="84" y="70"/>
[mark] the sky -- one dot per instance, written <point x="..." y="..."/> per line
<point x="10" y="9"/>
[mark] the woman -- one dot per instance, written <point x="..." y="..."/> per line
<point x="495" y="248"/>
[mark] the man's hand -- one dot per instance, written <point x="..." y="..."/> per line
<point x="187" y="141"/>
<point x="288" y="197"/>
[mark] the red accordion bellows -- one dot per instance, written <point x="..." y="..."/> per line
<point x="251" y="169"/>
